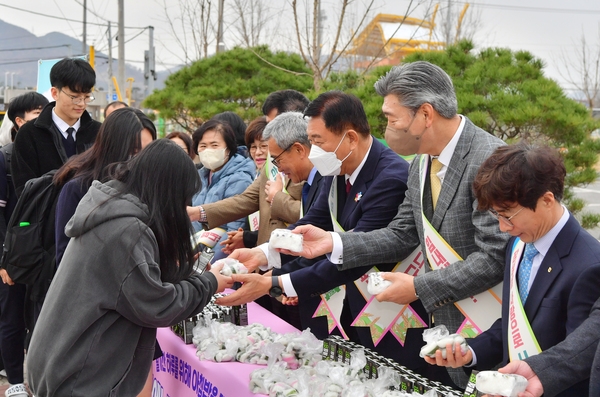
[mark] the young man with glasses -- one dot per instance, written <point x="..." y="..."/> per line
<point x="552" y="265"/>
<point x="63" y="129"/>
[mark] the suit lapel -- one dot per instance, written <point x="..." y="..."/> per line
<point x="363" y="180"/>
<point x="549" y="270"/>
<point x="454" y="174"/>
<point x="312" y="192"/>
<point x="551" y="267"/>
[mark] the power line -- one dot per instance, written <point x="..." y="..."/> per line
<point x="534" y="9"/>
<point x="34" y="48"/>
<point x="64" y="19"/>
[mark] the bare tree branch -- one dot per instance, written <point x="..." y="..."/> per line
<point x="300" y="46"/>
<point x="583" y="70"/>
<point x="279" y="67"/>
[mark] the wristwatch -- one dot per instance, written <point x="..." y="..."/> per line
<point x="275" y="291"/>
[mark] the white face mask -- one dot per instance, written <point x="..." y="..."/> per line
<point x="327" y="163"/>
<point x="212" y="158"/>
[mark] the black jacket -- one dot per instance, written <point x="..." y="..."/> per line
<point x="38" y="146"/>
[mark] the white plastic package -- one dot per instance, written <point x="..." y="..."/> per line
<point x="437" y="338"/>
<point x="493" y="382"/>
<point x="231" y="266"/>
<point x="285" y="239"/>
<point x="376" y="283"/>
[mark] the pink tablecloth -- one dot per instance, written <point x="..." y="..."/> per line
<point x="179" y="373"/>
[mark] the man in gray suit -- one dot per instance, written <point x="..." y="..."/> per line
<point x="566" y="363"/>
<point x="421" y="107"/>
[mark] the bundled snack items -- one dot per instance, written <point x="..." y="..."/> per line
<point x="437" y="338"/>
<point x="255" y="344"/>
<point x="235" y="314"/>
<point x="285" y="239"/>
<point x="330" y="379"/>
<point x="376" y="283"/>
<point x="231" y="266"/>
<point x="493" y="382"/>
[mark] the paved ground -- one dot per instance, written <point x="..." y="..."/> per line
<point x="591" y="195"/>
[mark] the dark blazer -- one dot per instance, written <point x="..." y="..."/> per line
<point x="380" y="185"/>
<point x="313" y="191"/>
<point x="572" y="360"/>
<point x="560" y="299"/>
<point x="38" y="146"/>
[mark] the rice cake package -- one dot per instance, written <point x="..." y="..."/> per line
<point x="493" y="382"/>
<point x="285" y="239"/>
<point x="376" y="283"/>
<point x="231" y="266"/>
<point x="437" y="338"/>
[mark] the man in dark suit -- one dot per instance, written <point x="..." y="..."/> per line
<point x="421" y="107"/>
<point x="564" y="365"/>
<point x="364" y="182"/>
<point x="552" y="268"/>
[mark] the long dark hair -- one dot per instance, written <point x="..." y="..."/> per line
<point x="118" y="139"/>
<point x="164" y="178"/>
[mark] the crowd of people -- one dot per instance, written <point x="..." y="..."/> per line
<point x="472" y="235"/>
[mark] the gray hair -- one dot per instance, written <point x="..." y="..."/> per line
<point x="417" y="83"/>
<point x="286" y="129"/>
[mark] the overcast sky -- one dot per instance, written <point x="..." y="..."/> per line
<point x="550" y="29"/>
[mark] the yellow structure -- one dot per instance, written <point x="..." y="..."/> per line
<point x="389" y="38"/>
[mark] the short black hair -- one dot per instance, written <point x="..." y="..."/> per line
<point x="285" y="101"/>
<point x="236" y="123"/>
<point x="22" y="104"/>
<point x="74" y="73"/>
<point x="519" y="173"/>
<point x="222" y="128"/>
<point x="340" y="112"/>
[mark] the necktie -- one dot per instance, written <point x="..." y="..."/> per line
<point x="436" y="184"/>
<point x="70" y="143"/>
<point x="525" y="270"/>
<point x="305" y="189"/>
<point x="348" y="186"/>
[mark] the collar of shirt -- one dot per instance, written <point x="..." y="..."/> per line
<point x="354" y="175"/>
<point x="311" y="176"/>
<point x="446" y="154"/>
<point x="543" y="245"/>
<point x="63" y="126"/>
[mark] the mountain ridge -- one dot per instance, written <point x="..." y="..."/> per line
<point x="20" y="51"/>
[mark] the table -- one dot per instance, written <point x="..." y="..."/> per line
<point x="179" y="373"/>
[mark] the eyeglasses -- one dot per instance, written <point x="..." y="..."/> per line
<point x="274" y="159"/>
<point x="502" y="218"/>
<point x="264" y="147"/>
<point x="77" y="100"/>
